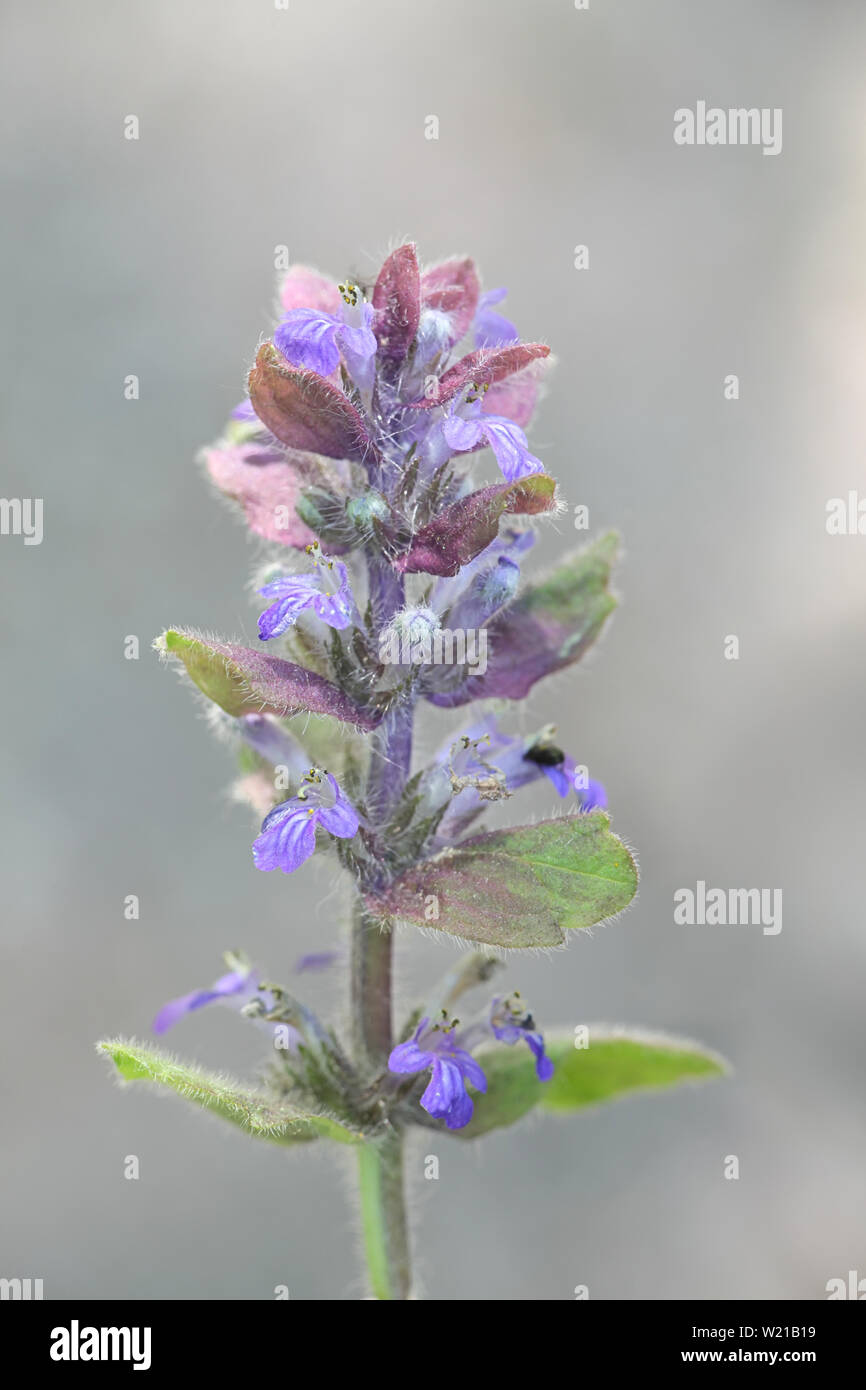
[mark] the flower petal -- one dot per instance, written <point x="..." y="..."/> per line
<point x="470" y="1069"/>
<point x="489" y="590"/>
<point x="292" y="594"/>
<point x="592" y="797"/>
<point x="235" y="982"/>
<point x="286" y="841"/>
<point x="332" y="609"/>
<point x="463" y="435"/>
<point x="446" y="1089"/>
<point x="408" y="1058"/>
<point x="508" y="443"/>
<point x="544" y="1068"/>
<point x="461" y="1112"/>
<point x="341" y="819"/>
<point x="492" y="329"/>
<point x="316" y="960"/>
<point x="306" y="338"/>
<point x="357" y="342"/>
<point x="275" y="744"/>
<point x="558" y="775"/>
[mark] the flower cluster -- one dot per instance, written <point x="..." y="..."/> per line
<point x="392" y="584"/>
<point x="391" y="579"/>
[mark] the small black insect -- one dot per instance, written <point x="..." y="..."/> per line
<point x="545" y="754"/>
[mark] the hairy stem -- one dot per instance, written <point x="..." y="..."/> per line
<point x="383" y="1205"/>
<point x="383" y="1217"/>
<point x="371" y="988"/>
<point x="389" y="762"/>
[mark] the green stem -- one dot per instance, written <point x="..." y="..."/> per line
<point x="383" y="1217"/>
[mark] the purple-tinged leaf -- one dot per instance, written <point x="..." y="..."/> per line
<point x="518" y="888"/>
<point x="304" y="410"/>
<point x="467" y="527"/>
<point x="267" y="491"/>
<point x="546" y="629"/>
<point x="242" y="680"/>
<point x="397" y="303"/>
<point x="482" y="368"/>
<point x="303" y="288"/>
<point x="515" y="397"/>
<point x="454" y="288"/>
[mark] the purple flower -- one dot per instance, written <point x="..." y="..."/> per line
<point x="237" y="988"/>
<point x="466" y="427"/>
<point x="445" y="1052"/>
<point x="288" y="834"/>
<point x="435" y="1047"/>
<point x="563" y="775"/>
<point x="265" y="734"/>
<point x="245" y="413"/>
<point x="314" y="339"/>
<point x="511" y="1022"/>
<point x="489" y="589"/>
<point x="484" y="764"/>
<point x="328" y="593"/>
<point x="492" y="329"/>
<point x="316" y="961"/>
<point x="510" y="544"/>
<point x="592" y="797"/>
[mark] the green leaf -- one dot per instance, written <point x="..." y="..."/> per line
<point x="520" y="887"/>
<point x="616" y="1063"/>
<point x="260" y="1115"/>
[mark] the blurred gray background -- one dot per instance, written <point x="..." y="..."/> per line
<point x="155" y="257"/>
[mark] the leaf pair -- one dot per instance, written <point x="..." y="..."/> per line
<point x="548" y="628"/>
<point x="615" y="1063"/>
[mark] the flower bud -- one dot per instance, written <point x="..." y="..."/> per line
<point x="363" y="510"/>
<point x="408" y="638"/>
